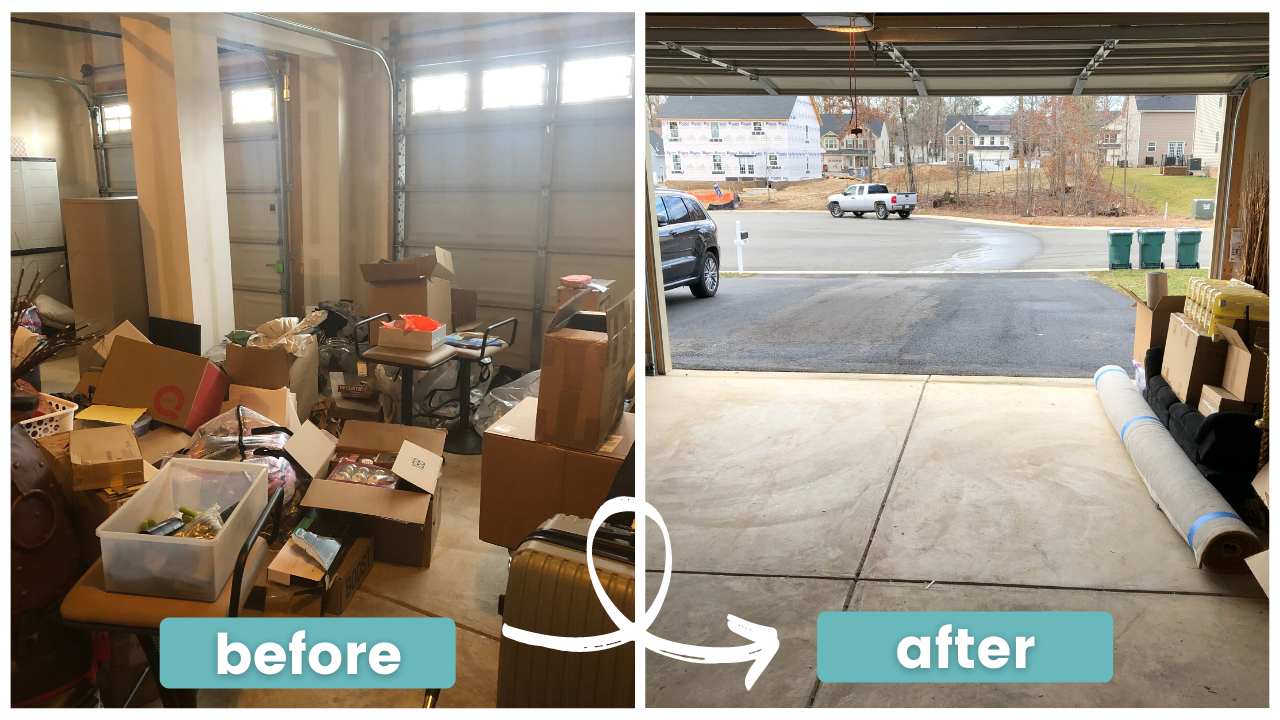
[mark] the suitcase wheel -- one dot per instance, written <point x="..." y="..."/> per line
<point x="502" y="602"/>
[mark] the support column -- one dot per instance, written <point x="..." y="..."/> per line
<point x="171" y="68"/>
<point x="316" y="96"/>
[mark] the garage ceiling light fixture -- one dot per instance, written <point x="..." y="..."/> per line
<point x="853" y="23"/>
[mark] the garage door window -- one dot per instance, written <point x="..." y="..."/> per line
<point x="252" y="106"/>
<point x="515" y="87"/>
<point x="439" y="93"/>
<point x="597" y="79"/>
<point x="115" y="118"/>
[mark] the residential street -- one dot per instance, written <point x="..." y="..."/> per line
<point x="965" y="320"/>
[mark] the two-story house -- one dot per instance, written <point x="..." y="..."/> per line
<point x="845" y="152"/>
<point x="1119" y="139"/>
<point x="657" y="158"/>
<point x="1175" y="128"/>
<point x="981" y="142"/>
<point x="742" y="138"/>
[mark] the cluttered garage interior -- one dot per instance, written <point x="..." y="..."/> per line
<point x="284" y="291"/>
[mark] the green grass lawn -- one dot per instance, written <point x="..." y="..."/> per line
<point x="1136" y="280"/>
<point x="1154" y="189"/>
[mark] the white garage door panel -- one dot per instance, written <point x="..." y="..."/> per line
<point x="251" y="164"/>
<point x="517" y="356"/>
<point x="120" y="171"/>
<point x="500" y="277"/>
<point x="622" y="270"/>
<point x="497" y="219"/>
<point x="249" y="267"/>
<point x="249" y="217"/>
<point x="507" y="157"/>
<point x="253" y="309"/>
<point x="592" y="222"/>
<point x="590" y="156"/>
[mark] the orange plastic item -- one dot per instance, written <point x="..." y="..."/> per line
<point x="575" y="281"/>
<point x="414" y="323"/>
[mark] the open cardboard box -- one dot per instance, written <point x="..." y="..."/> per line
<point x="279" y="406"/>
<point x="595" y="298"/>
<point x="586" y="359"/>
<point x="405" y="521"/>
<point x="523" y="482"/>
<point x="1152" y="326"/>
<point x="106" y="457"/>
<point x="273" y="368"/>
<point x="418" y="286"/>
<point x="1245" y="372"/>
<point x="176" y="388"/>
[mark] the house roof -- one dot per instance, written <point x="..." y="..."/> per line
<point x="982" y="124"/>
<point x="655" y="142"/>
<point x="728" y="107"/>
<point x="833" y="123"/>
<point x="1166" y="103"/>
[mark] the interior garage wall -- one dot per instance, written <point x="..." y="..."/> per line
<point x="1251" y="142"/>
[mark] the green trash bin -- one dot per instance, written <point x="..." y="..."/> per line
<point x="1119" y="243"/>
<point x="1188" y="245"/>
<point x="1150" y="242"/>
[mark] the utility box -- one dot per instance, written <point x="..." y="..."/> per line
<point x="1119" y="244"/>
<point x="1203" y="209"/>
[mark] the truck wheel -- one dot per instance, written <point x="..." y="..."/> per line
<point x="882" y="212"/>
<point x="904" y="214"/>
<point x="858" y="214"/>
<point x="836" y="210"/>
<point x="708" y="277"/>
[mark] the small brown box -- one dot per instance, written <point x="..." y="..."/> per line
<point x="1192" y="359"/>
<point x="1245" y="371"/>
<point x="105" y="457"/>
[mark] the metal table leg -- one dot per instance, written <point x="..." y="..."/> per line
<point x="463" y="439"/>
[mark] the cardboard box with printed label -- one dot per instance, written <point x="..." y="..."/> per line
<point x="585" y="364"/>
<point x="1245" y="371"/>
<point x="276" y="368"/>
<point x="105" y="457"/>
<point x="1151" y="326"/>
<point x="1215" y="399"/>
<point x="1192" y="359"/>
<point x="418" y="286"/>
<point x="356" y="409"/>
<point x="524" y="482"/>
<point x="176" y="388"/>
<point x="404" y="521"/>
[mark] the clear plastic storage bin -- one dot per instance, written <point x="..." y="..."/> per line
<point x="174" y="567"/>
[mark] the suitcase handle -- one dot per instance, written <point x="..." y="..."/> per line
<point x="606" y="549"/>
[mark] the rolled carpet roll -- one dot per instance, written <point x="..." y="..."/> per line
<point x="1219" y="539"/>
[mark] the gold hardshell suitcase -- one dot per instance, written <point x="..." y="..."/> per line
<point x="549" y="591"/>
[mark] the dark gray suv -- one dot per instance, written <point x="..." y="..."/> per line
<point x="687" y="235"/>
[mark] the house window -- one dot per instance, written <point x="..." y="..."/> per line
<point x="251" y="106"/>
<point x="715" y="132"/>
<point x="757" y="128"/>
<point x="773" y="161"/>
<point x="675" y="162"/>
<point x="1175" y="147"/>
<point x="514" y="87"/>
<point x="982" y="140"/>
<point x="951" y="157"/>
<point x="674" y="131"/>
<point x="1217" y="136"/>
<point x="747" y="166"/>
<point x="970" y="139"/>
<point x="829" y="143"/>
<point x="439" y="93"/>
<point x="115" y="118"/>
<point x="717" y="166"/>
<point x="596" y="79"/>
<point x="848" y="142"/>
<point x="1151" y="146"/>
<point x="951" y="139"/>
<point x="970" y="160"/>
<point x="806" y="133"/>
<point x="806" y="166"/>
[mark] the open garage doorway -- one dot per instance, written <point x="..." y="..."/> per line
<point x="885" y="413"/>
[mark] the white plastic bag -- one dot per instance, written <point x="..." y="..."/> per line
<point x="502" y="400"/>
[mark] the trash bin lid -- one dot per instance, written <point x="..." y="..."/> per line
<point x="1120" y="231"/>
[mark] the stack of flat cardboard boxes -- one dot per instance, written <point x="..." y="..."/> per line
<point x="560" y="452"/>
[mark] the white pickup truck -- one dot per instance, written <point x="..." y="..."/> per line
<point x="873" y="197"/>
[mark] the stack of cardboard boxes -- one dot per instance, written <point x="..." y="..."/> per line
<point x="560" y="452"/>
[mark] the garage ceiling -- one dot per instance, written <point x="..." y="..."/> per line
<point x="956" y="54"/>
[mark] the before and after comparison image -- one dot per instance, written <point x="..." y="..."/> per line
<point x="634" y="357"/>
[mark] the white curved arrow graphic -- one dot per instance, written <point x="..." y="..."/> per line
<point x="761" y="649"/>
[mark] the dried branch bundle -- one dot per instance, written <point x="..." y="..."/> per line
<point x="49" y="345"/>
<point x="1254" y="221"/>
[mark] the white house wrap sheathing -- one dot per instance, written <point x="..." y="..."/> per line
<point x="1217" y="536"/>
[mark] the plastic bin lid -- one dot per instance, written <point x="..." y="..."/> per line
<point x="1187" y="230"/>
<point x="1120" y="231"/>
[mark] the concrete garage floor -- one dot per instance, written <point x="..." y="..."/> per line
<point x="790" y="494"/>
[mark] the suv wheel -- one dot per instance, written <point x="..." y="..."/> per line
<point x="882" y="211"/>
<point x="708" y="277"/>
<point x="836" y="210"/>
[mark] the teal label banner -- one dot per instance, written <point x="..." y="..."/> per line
<point x="957" y="647"/>
<point x="291" y="652"/>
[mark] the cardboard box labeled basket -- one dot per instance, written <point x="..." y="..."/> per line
<point x="524" y="482"/>
<point x="176" y="388"/>
<point x="585" y="363"/>
<point x="1192" y="359"/>
<point x="417" y="286"/>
